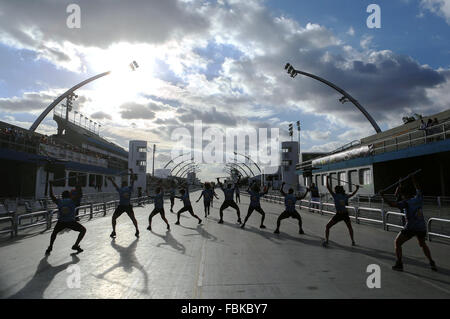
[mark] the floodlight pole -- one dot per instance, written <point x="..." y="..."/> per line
<point x="293" y="72"/>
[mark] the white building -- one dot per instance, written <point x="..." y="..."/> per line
<point x="137" y="160"/>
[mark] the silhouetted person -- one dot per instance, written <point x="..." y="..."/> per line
<point x="187" y="206"/>
<point x="172" y="194"/>
<point x="290" y="211"/>
<point x="229" y="201"/>
<point x="158" y="199"/>
<point x="213" y="187"/>
<point x="315" y="196"/>
<point x="139" y="196"/>
<point x="255" y="204"/>
<point x="125" y="206"/>
<point x="340" y="203"/>
<point x="207" y="194"/>
<point x="399" y="196"/>
<point x="415" y="225"/>
<point x="238" y="193"/>
<point x="66" y="219"/>
<point x="435" y="121"/>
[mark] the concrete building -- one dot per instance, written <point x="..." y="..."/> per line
<point x="289" y="160"/>
<point x="137" y="160"/>
<point x="379" y="160"/>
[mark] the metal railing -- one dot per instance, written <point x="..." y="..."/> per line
<point x="429" y="233"/>
<point x="386" y="220"/>
<point x="329" y="208"/>
<point x="10" y="230"/>
<point x="49" y="217"/>
<point x="413" y="138"/>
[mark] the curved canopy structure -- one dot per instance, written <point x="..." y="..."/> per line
<point x="61" y="97"/>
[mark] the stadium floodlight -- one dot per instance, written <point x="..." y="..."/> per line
<point x="346" y="97"/>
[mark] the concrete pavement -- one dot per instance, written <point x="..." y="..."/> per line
<point x="219" y="261"/>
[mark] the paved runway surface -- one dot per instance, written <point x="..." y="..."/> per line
<point x="219" y="261"/>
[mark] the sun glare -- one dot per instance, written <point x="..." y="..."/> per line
<point x="123" y="84"/>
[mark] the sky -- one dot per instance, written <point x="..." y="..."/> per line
<point x="222" y="62"/>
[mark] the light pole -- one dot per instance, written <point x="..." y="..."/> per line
<point x="298" y="130"/>
<point x="345" y="98"/>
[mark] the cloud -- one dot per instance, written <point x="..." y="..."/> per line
<point x="365" y="42"/>
<point x="439" y="7"/>
<point x="351" y="31"/>
<point x="30" y="101"/>
<point x="318" y="134"/>
<point x="103" y="22"/>
<point x="242" y="85"/>
<point x="133" y="110"/>
<point x="211" y="116"/>
<point x="101" y="116"/>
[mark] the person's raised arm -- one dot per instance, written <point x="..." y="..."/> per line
<point x="329" y="187"/>
<point x="131" y="178"/>
<point x="220" y="183"/>
<point x="266" y="190"/>
<point x="112" y="182"/>
<point x="304" y="195"/>
<point x="416" y="185"/>
<point x="281" y="189"/>
<point x="52" y="196"/>
<point x="250" y="186"/>
<point x="354" y="193"/>
<point x="389" y="202"/>
<point x="201" y="194"/>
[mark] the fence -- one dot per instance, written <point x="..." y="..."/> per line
<point x="17" y="223"/>
<point x="376" y="215"/>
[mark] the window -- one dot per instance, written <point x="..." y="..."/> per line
<point x="91" y="180"/>
<point x="141" y="150"/>
<point x="72" y="179"/>
<point x="333" y="181"/>
<point x="286" y="163"/>
<point x="59" y="178"/>
<point x="353" y="179"/>
<point x="286" y="150"/>
<point x="98" y="180"/>
<point x="141" y="163"/>
<point x="342" y="176"/>
<point x="306" y="181"/>
<point x="73" y="176"/>
<point x="82" y="177"/>
<point x="365" y="176"/>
